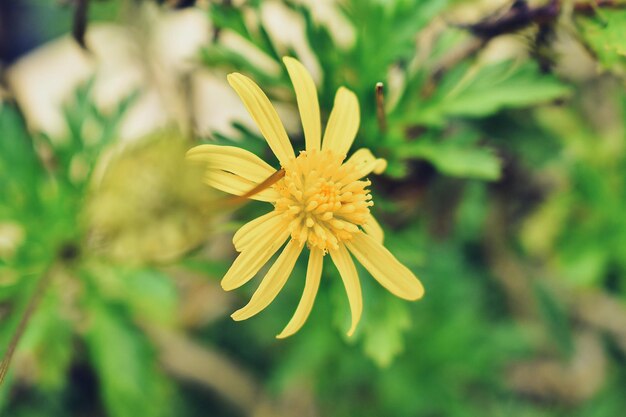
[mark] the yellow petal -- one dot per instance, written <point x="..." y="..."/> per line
<point x="384" y="267"/>
<point x="253" y="258"/>
<point x="306" y="95"/>
<point x="255" y="229"/>
<point x="365" y="163"/>
<point x="372" y="228"/>
<point x="234" y="184"/>
<point x="232" y="159"/>
<point x="343" y="123"/>
<point x="350" y="278"/>
<point x="312" y="284"/>
<point x="264" y="115"/>
<point x="272" y="283"/>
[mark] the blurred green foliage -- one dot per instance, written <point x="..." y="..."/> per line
<point x="504" y="193"/>
<point x="605" y="34"/>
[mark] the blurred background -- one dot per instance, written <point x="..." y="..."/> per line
<point x="503" y="123"/>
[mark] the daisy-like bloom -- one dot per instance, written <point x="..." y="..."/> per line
<point x="321" y="202"/>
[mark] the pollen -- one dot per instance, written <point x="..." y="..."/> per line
<point x="322" y="201"/>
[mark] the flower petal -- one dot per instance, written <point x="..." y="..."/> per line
<point x="234" y="184"/>
<point x="272" y="283"/>
<point x="350" y="278"/>
<point x="343" y="123"/>
<point x="255" y="255"/>
<point x="255" y="229"/>
<point x="264" y="115"/>
<point x="372" y="228"/>
<point x="365" y="163"/>
<point x="312" y="284"/>
<point x="384" y="267"/>
<point x="308" y="105"/>
<point x="232" y="159"/>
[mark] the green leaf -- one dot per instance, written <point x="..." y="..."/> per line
<point x="125" y="362"/>
<point x="472" y="211"/>
<point x="218" y="55"/>
<point x="457" y="157"/>
<point x="224" y="16"/>
<point x="48" y="339"/>
<point x="386" y="32"/>
<point x="152" y="294"/>
<point x="383" y="331"/>
<point x="149" y="294"/>
<point x="5" y="391"/>
<point x="556" y="319"/>
<point x="477" y="92"/>
<point x="605" y="33"/>
<point x="19" y="166"/>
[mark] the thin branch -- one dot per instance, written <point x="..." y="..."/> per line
<point x="66" y="254"/>
<point x="35" y="298"/>
<point x="188" y="360"/>
<point x="79" y="27"/>
<point x="520" y="16"/>
<point x="271" y="180"/>
<point x="380" y="107"/>
<point x="208" y="367"/>
<point x="591" y="8"/>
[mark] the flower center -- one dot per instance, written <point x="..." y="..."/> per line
<point x="322" y="200"/>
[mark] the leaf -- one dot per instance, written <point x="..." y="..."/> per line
<point x="224" y="16"/>
<point x="383" y="331"/>
<point x="556" y="319"/>
<point x="457" y="157"/>
<point x="218" y="55"/>
<point x="387" y="31"/>
<point x="149" y="294"/>
<point x="152" y="294"/>
<point x="606" y="35"/>
<point x="130" y="383"/>
<point x="48" y="338"/>
<point x="472" y="211"/>
<point x="19" y="165"/>
<point x="5" y="391"/>
<point x="477" y="92"/>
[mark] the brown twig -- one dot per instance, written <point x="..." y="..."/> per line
<point x="380" y="107"/>
<point x="186" y="359"/>
<point x="520" y="16"/>
<point x="590" y="8"/>
<point x="79" y="26"/>
<point x="210" y="368"/>
<point x="271" y="180"/>
<point x="572" y="381"/>
<point x="604" y="312"/>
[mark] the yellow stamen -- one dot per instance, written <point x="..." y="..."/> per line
<point x="319" y="207"/>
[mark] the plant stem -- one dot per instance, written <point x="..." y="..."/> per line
<point x="35" y="298"/>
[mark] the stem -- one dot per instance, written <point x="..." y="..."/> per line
<point x="380" y="107"/>
<point x="271" y="180"/>
<point x="35" y="298"/>
<point x="79" y="26"/>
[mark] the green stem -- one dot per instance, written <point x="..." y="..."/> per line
<point x="21" y="327"/>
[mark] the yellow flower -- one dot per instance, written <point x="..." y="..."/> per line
<point x="322" y="201"/>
